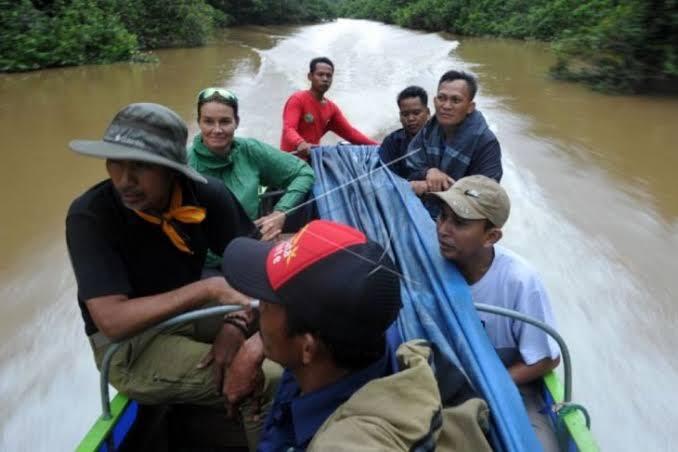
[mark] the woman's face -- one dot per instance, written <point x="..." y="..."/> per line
<point x="217" y="124"/>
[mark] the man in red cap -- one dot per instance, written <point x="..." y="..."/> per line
<point x="327" y="297"/>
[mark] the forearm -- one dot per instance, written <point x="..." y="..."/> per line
<point x="118" y="317"/>
<point x="296" y="190"/>
<point x="523" y="373"/>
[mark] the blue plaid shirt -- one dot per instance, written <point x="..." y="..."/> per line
<point x="474" y="149"/>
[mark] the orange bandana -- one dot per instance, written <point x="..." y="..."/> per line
<point x="184" y="214"/>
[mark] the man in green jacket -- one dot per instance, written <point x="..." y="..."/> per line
<point x="328" y="296"/>
<point x="246" y="164"/>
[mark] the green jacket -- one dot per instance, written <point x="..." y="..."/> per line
<point x="403" y="412"/>
<point x="252" y="164"/>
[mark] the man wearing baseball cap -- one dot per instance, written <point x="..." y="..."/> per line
<point x="473" y="212"/>
<point x="327" y="297"/>
<point x="137" y="243"/>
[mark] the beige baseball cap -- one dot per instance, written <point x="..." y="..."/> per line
<point x="477" y="198"/>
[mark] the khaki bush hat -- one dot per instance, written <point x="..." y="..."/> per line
<point x="144" y="132"/>
<point x="477" y="198"/>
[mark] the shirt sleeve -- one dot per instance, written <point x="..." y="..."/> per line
<point x="292" y="114"/>
<point x="99" y="269"/>
<point x="340" y="125"/>
<point x="284" y="171"/>
<point x="533" y="343"/>
<point x="226" y="218"/>
<point x="487" y="161"/>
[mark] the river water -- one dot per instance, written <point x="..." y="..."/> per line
<point x="591" y="179"/>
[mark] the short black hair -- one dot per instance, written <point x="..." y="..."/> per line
<point x="346" y="354"/>
<point x="315" y="61"/>
<point x="470" y="80"/>
<point x="413" y="91"/>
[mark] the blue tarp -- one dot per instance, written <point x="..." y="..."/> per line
<point x="353" y="188"/>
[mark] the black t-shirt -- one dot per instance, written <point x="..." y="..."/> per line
<point x="114" y="251"/>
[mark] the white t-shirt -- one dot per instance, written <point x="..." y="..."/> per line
<point x="512" y="283"/>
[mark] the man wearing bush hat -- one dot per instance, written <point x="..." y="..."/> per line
<point x="137" y="244"/>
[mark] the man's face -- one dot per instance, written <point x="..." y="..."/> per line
<point x="321" y="78"/>
<point x="413" y="114"/>
<point x="278" y="345"/>
<point x="453" y="103"/>
<point x="141" y="186"/>
<point x="459" y="238"/>
<point x="217" y="124"/>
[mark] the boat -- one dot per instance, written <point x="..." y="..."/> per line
<point x="353" y="187"/>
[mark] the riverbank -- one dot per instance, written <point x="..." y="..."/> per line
<point x="46" y="33"/>
<point x="613" y="46"/>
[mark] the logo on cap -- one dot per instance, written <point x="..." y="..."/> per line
<point x="311" y="244"/>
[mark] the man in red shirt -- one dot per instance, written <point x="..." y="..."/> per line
<point x="308" y="115"/>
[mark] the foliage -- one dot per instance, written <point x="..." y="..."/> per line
<point x="45" y="33"/>
<point x="171" y="23"/>
<point x="79" y="33"/>
<point x="620" y="45"/>
<point x="266" y="12"/>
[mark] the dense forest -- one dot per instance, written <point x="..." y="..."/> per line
<point x="45" y="33"/>
<point x="614" y="45"/>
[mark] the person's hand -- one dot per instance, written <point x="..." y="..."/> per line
<point x="437" y="180"/>
<point x="303" y="150"/>
<point x="219" y="290"/>
<point x="227" y="343"/>
<point x="244" y="376"/>
<point x="271" y="225"/>
<point x="419" y="187"/>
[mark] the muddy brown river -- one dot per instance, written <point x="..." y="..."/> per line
<point x="591" y="178"/>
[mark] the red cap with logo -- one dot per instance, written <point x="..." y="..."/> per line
<point x="342" y="281"/>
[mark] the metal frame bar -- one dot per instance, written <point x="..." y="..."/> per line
<point x="564" y="351"/>
<point x="221" y="310"/>
<point x="178" y="320"/>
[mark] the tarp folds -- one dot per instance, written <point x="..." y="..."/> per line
<point x="353" y="187"/>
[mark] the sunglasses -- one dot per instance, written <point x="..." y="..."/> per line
<point x="208" y="93"/>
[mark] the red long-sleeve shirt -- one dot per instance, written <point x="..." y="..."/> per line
<point x="305" y="118"/>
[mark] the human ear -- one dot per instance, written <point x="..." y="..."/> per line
<point x="493" y="236"/>
<point x="309" y="348"/>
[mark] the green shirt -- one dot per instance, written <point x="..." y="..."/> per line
<point x="251" y="164"/>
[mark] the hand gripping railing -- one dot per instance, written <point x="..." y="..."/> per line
<point x="564" y="351"/>
<point x="178" y="320"/>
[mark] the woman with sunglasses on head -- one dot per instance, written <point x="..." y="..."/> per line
<point x="245" y="164"/>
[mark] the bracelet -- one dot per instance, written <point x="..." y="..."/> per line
<point x="234" y="321"/>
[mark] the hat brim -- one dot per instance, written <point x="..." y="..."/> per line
<point x="244" y="267"/>
<point x="106" y="150"/>
<point x="459" y="204"/>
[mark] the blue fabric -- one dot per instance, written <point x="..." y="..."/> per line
<point x="473" y="150"/>
<point x="353" y="188"/>
<point x="294" y="419"/>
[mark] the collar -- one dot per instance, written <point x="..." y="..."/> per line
<point x="208" y="160"/>
<point x="473" y="124"/>
<point x="311" y="410"/>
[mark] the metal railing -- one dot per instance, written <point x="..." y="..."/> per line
<point x="193" y="316"/>
<point x="187" y="317"/>
<point x="564" y="351"/>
